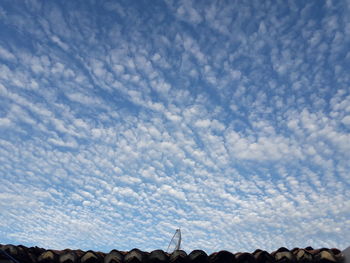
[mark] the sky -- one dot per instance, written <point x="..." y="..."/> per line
<point x="121" y="121"/>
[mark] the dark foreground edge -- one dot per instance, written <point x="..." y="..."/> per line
<point x="22" y="254"/>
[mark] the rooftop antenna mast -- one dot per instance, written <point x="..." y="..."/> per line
<point x="175" y="242"/>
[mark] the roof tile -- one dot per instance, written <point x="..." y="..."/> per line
<point x="263" y="256"/>
<point x="245" y="258"/>
<point x="48" y="256"/>
<point x="158" y="256"/>
<point x="91" y="257"/>
<point x="303" y="256"/>
<point x="134" y="256"/>
<point x="282" y="255"/>
<point x="114" y="257"/>
<point x="222" y="256"/>
<point x="326" y="257"/>
<point x="178" y="256"/>
<point x="198" y="256"/>
<point x="68" y="257"/>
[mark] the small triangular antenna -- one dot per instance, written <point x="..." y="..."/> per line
<point x="175" y="242"/>
<point x="346" y="254"/>
<point x="8" y="256"/>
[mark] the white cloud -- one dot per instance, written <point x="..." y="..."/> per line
<point x="225" y="121"/>
<point x="68" y="143"/>
<point x="5" y="54"/>
<point x="167" y="190"/>
<point x="202" y="123"/>
<point x="81" y="98"/>
<point x="346" y="120"/>
<point x="57" y="40"/>
<point x="4" y="122"/>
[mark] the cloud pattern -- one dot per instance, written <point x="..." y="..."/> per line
<point x="121" y="121"/>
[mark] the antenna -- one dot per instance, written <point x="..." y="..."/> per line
<point x="175" y="242"/>
<point x="9" y="256"/>
<point x="346" y="253"/>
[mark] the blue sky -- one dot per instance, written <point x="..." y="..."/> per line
<point x="121" y="121"/>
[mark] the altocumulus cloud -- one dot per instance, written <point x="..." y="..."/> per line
<point x="123" y="120"/>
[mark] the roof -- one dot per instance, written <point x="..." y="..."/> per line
<point x="40" y="255"/>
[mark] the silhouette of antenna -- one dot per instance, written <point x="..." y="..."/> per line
<point x="175" y="242"/>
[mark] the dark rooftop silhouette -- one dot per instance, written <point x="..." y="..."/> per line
<point x="24" y="254"/>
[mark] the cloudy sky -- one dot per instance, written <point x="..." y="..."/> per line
<point x="121" y="121"/>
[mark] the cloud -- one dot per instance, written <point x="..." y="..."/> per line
<point x="4" y="122"/>
<point x="7" y="55"/>
<point x="346" y="120"/>
<point x="229" y="120"/>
